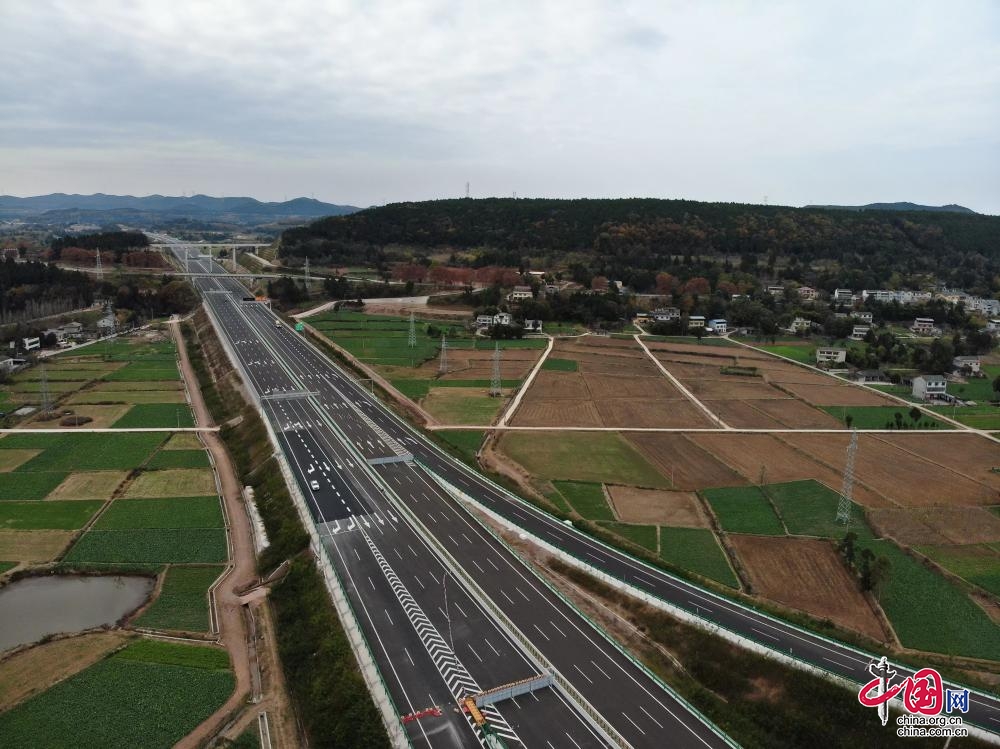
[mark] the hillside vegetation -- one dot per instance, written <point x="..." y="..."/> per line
<point x="618" y="238"/>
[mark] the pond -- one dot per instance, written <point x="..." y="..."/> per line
<point x="34" y="607"/>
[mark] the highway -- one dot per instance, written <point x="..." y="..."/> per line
<point x="361" y="420"/>
<point x="395" y="535"/>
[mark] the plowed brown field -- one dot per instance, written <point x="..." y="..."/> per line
<point x="657" y="507"/>
<point x="693" y="467"/>
<point x="821" y="587"/>
<point x="906" y="479"/>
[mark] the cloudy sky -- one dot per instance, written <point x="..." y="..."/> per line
<point x="372" y="101"/>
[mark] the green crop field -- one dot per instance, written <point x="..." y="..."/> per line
<point x="174" y="512"/>
<point x="693" y="340"/>
<point x="150" y="695"/>
<point x="696" y="549"/>
<point x="54" y="515"/>
<point x="560" y="365"/>
<point x="977" y="563"/>
<point x="586" y="498"/>
<point x="412" y="389"/>
<point x="92" y="452"/>
<point x="641" y="535"/>
<point x="582" y="456"/>
<point x="805" y="353"/>
<point x="18" y="485"/>
<point x="183" y="600"/>
<point x="150" y="546"/>
<point x="179" y="459"/>
<point x="467" y="442"/>
<point x="930" y="613"/>
<point x="471" y="406"/>
<point x="4" y="566"/>
<point x="883" y="417"/>
<point x="156" y="415"/>
<point x="143" y="372"/>
<point x="744" y="509"/>
<point x="810" y="509"/>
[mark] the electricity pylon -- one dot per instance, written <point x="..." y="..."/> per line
<point x="443" y="368"/>
<point x="411" y="341"/>
<point x="496" y="389"/>
<point x="847" y="490"/>
<point x="100" y="270"/>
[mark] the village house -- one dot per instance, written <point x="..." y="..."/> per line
<point x="930" y="387"/>
<point x="831" y="355"/>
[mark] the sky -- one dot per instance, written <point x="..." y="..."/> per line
<point x="380" y="101"/>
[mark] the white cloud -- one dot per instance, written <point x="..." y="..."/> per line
<point x="726" y="100"/>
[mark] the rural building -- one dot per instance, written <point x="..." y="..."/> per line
<point x="106" y="324"/>
<point x="776" y="291"/>
<point x="807" y="293"/>
<point x="519" y="293"/>
<point x="972" y="365"/>
<point x="6" y="366"/>
<point x="879" y="295"/>
<point x="533" y="326"/>
<point x="831" y="355"/>
<point x="843" y="295"/>
<point x="719" y="327"/>
<point x="859" y="332"/>
<point x="666" y="314"/>
<point x="923" y="326"/>
<point x="865" y="317"/>
<point x="871" y="377"/>
<point x="484" y="321"/>
<point x="30" y="344"/>
<point x="929" y="387"/>
<point x="800" y="325"/>
<point x="993" y="326"/>
<point x="58" y="333"/>
<point x="72" y="329"/>
<point x="502" y="318"/>
<point x="696" y="321"/>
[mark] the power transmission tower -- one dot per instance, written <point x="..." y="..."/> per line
<point x="411" y="341"/>
<point x="43" y="390"/>
<point x="307" y="274"/>
<point x="847" y="490"/>
<point x="496" y="389"/>
<point x="100" y="270"/>
<point x="466" y="189"/>
<point x="443" y="368"/>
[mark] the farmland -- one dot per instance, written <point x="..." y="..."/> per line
<point x="697" y="550"/>
<point x="744" y="509"/>
<point x="181" y="603"/>
<point x="772" y="495"/>
<point x="459" y="394"/>
<point x="107" y="383"/>
<point x="160" y="692"/>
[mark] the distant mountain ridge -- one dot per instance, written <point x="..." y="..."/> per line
<point x="901" y="206"/>
<point x="107" y="208"/>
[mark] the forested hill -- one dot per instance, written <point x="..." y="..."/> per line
<point x="614" y="236"/>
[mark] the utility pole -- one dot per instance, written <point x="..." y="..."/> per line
<point x="496" y="384"/>
<point x="847" y="490"/>
<point x="443" y="368"/>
